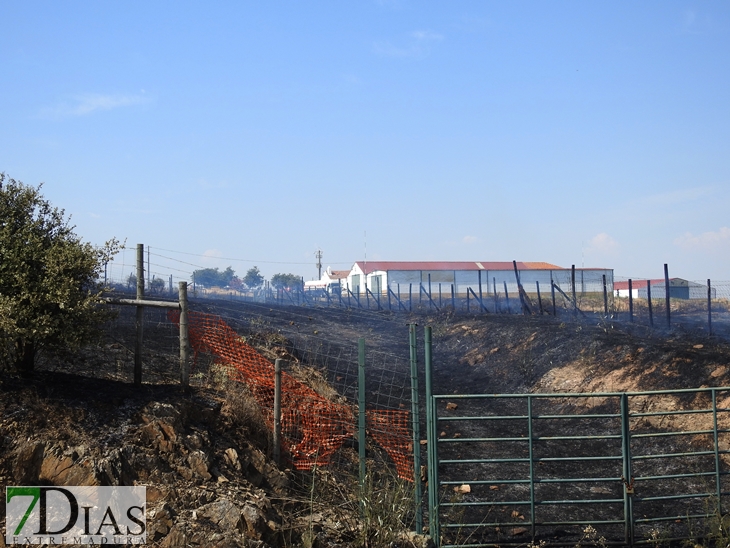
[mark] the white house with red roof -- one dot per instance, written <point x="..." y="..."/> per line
<point x="331" y="280"/>
<point x="678" y="289"/>
<point x="485" y="277"/>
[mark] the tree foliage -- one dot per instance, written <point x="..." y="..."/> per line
<point x="49" y="279"/>
<point x="253" y="278"/>
<point x="212" y="277"/>
<point x="236" y="284"/>
<point x="157" y="286"/>
<point x="286" y="281"/>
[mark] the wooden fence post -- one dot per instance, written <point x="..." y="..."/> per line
<point x="605" y="297"/>
<point x="139" y="324"/>
<point x="184" y="335"/>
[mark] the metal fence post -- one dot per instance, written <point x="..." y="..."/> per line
<point x="494" y="294"/>
<point x="648" y="300"/>
<point x="552" y="294"/>
<point x="628" y="478"/>
<point x="276" y="441"/>
<point x="572" y="287"/>
<point x="432" y="440"/>
<point x="667" y="297"/>
<point x="429" y="292"/>
<point x="361" y="426"/>
<point x="479" y="273"/>
<point x="709" y="306"/>
<point x="416" y="419"/>
<point x="532" y="465"/>
<point x="718" y="472"/>
<point x="631" y="301"/>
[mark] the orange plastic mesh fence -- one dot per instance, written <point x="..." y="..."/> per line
<point x="391" y="429"/>
<point x="312" y="427"/>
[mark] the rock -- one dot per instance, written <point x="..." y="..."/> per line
<point x="175" y="538"/>
<point x="223" y="513"/>
<point x="411" y="538"/>
<point x="231" y="458"/>
<point x="193" y="442"/>
<point x="160" y="521"/>
<point x="254" y="519"/>
<point x="61" y="470"/>
<point x="165" y="411"/>
<point x="260" y="470"/>
<point x="463" y="489"/>
<point x="27" y="465"/>
<point x="155" y="494"/>
<point x="160" y="435"/>
<point x="198" y="462"/>
<point x="186" y="473"/>
<point x="162" y="424"/>
<point x="116" y="470"/>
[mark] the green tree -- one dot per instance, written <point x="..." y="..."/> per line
<point x="50" y="285"/>
<point x="286" y="281"/>
<point x="157" y="286"/>
<point x="212" y="277"/>
<point x="253" y="278"/>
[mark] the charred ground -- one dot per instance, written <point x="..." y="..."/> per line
<point x="205" y="455"/>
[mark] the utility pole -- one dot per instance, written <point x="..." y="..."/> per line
<point x="149" y="270"/>
<point x="319" y="264"/>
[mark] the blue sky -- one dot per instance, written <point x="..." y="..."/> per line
<point x="254" y="133"/>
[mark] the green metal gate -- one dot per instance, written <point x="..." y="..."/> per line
<point x="560" y="469"/>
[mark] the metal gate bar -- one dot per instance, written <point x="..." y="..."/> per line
<point x="646" y="484"/>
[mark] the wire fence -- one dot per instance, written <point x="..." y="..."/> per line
<point x="586" y="294"/>
<point x="321" y="375"/>
<point x="320" y="412"/>
<point x="112" y="357"/>
<point x="331" y="369"/>
<point x="708" y="315"/>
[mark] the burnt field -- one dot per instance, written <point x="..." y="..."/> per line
<point x="512" y="486"/>
<point x="580" y="480"/>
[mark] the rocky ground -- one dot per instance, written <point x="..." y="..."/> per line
<point x="205" y="455"/>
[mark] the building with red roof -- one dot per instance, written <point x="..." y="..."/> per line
<point x="485" y="277"/>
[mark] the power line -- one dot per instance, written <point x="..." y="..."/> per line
<point x="239" y="260"/>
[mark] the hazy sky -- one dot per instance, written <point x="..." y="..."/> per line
<point x="254" y="133"/>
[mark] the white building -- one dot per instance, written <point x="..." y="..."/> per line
<point x="678" y="289"/>
<point x="331" y="280"/>
<point x="488" y="276"/>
